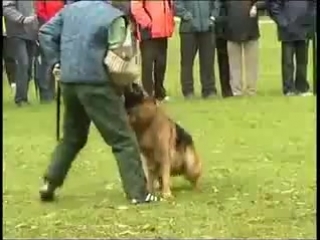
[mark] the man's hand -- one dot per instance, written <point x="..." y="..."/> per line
<point x="212" y="20"/>
<point x="29" y="19"/>
<point x="253" y="11"/>
<point x="56" y="71"/>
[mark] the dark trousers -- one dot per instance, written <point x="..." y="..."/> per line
<point x="154" y="64"/>
<point x="223" y="64"/>
<point x="294" y="76"/>
<point x="23" y="53"/>
<point x="44" y="78"/>
<point x="101" y="105"/>
<point x="43" y="75"/>
<point x="190" y="44"/>
<point x="9" y="62"/>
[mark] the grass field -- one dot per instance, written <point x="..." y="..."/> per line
<point x="259" y="169"/>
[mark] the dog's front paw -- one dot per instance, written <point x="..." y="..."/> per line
<point x="167" y="195"/>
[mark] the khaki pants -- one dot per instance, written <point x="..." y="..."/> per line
<point x="243" y="60"/>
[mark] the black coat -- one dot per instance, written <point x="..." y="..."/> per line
<point x="235" y="24"/>
<point x="295" y="19"/>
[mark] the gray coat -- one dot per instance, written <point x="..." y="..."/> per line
<point x="295" y="19"/>
<point x="14" y="12"/>
<point x="77" y="38"/>
<point x="195" y="15"/>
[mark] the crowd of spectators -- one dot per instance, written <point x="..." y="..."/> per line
<point x="227" y="29"/>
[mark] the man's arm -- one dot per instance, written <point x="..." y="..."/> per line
<point x="139" y="13"/>
<point x="181" y="11"/>
<point x="10" y="11"/>
<point x="49" y="38"/>
<point x="275" y="12"/>
<point x="215" y="8"/>
<point x="117" y="33"/>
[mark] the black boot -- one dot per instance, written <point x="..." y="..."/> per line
<point x="47" y="192"/>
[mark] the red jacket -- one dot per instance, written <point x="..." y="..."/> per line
<point x="46" y="9"/>
<point x="154" y="18"/>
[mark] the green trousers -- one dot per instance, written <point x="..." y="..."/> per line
<point x="101" y="105"/>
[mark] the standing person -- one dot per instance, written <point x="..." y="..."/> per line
<point x="79" y="44"/>
<point x="154" y="25"/>
<point x="45" y="10"/>
<point x="197" y="34"/>
<point x="222" y="51"/>
<point x="242" y="33"/>
<point x="22" y="29"/>
<point x="8" y="59"/>
<point x="295" y="22"/>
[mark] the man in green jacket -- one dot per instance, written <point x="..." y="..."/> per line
<point x="197" y="34"/>
<point x="78" y="38"/>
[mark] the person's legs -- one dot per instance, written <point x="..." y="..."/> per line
<point x="9" y="62"/>
<point x="106" y="110"/>
<point x="223" y="64"/>
<point x="287" y="67"/>
<point x="301" y="54"/>
<point x="236" y="71"/>
<point x="43" y="78"/>
<point x="206" y="41"/>
<point x="21" y="76"/>
<point x="160" y="66"/>
<point x="251" y="65"/>
<point x="148" y="52"/>
<point x="75" y="133"/>
<point x="188" y="50"/>
<point x="31" y="50"/>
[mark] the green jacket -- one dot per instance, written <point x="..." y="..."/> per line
<point x="195" y="15"/>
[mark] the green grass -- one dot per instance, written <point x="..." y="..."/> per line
<point x="259" y="169"/>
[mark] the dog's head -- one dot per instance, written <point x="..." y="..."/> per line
<point x="139" y="106"/>
<point x="134" y="95"/>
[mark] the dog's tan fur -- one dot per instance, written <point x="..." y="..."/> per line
<point x="162" y="158"/>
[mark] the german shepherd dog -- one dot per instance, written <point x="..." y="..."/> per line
<point x="167" y="149"/>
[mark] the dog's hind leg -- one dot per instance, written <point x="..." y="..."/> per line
<point x="193" y="167"/>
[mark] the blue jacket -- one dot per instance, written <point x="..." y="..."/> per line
<point x="195" y="15"/>
<point x="295" y="19"/>
<point x="77" y="38"/>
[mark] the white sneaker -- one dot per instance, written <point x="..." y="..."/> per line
<point x="305" y="94"/>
